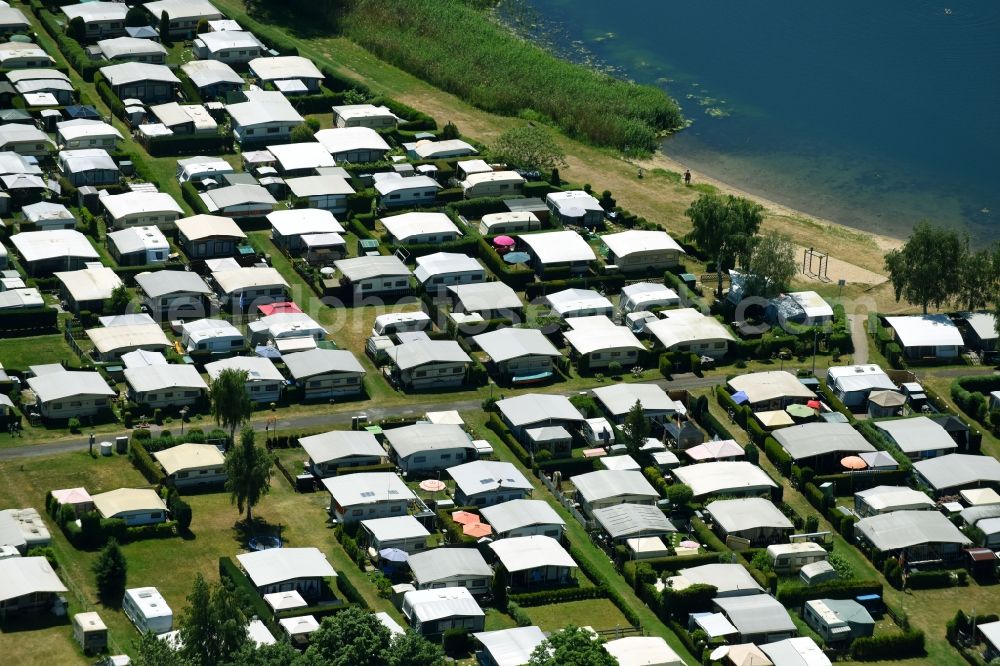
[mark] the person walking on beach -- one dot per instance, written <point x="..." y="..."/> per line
<point x="687" y="176"/>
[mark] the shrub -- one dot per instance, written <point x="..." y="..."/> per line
<point x="795" y="594"/>
<point x="73" y="424"/>
<point x="456" y="642"/>
<point x="562" y="595"/>
<point x="904" y="645"/>
<point x="927" y="580"/>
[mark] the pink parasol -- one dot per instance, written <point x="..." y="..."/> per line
<point x="465" y="518"/>
<point x="853" y="462"/>
<point x="503" y="241"/>
<point x="477" y="530"/>
<point x="432" y="485"/>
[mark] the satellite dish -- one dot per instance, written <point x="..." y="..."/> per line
<point x="719" y="653"/>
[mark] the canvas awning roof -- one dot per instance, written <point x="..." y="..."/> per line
<point x="913" y="435"/>
<point x="511" y="647"/>
<point x="276" y="565"/>
<point x="519" y="513"/>
<point x="904" y="529"/>
<point x="929" y="330"/>
<point x="482" y="476"/>
<point x="606" y="484"/>
<point x="816" y="439"/>
<point x="509" y="343"/>
<point x="771" y="385"/>
<point x="23" y="576"/>
<point x="422" y="437"/>
<point x="738" y="515"/>
<point x="958" y="469"/>
<point x="115" y="502"/>
<point x="628" y="520"/>
<point x="722" y="477"/>
<point x="531" y="552"/>
<point x="185" y="457"/>
<point x="442" y="563"/>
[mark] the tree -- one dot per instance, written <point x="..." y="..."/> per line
<point x="213" y="628"/>
<point x="679" y="494"/>
<point x="154" y="651"/>
<point x="77" y="29"/>
<point x="280" y="654"/>
<point x="771" y="266"/>
<point x="724" y="229"/>
<point x="635" y="429"/>
<point x="528" y="147"/>
<point x="571" y="646"/>
<point x="164" y="27"/>
<point x="352" y="637"/>
<point x="248" y="468"/>
<point x="302" y="133"/>
<point x="231" y="405"/>
<point x="412" y="649"/>
<point x="450" y="131"/>
<point x="978" y="279"/>
<point x="120" y="300"/>
<point x="181" y="512"/>
<point x="111" y="574"/>
<point x="136" y="17"/>
<point x="923" y="271"/>
<point x="203" y="27"/>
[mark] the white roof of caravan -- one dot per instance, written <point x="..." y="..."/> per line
<point x="812" y="304"/>
<point x="96" y="11"/>
<point x="566" y="202"/>
<point x="86" y="159"/>
<point x="363" y="268"/>
<point x="531" y="552"/>
<point x="798" y="651"/>
<point x="571" y="300"/>
<point x="531" y="408"/>
<point x="18" y="132"/>
<point x="346" y="139"/>
<point x="125" y="337"/>
<point x="718" y="477"/>
<point x="486" y="475"/>
<point x="770" y="385"/>
<point x="263" y="106"/>
<point x="551" y="247"/>
<point x="486" y="296"/>
<point x="367" y="488"/>
<point x="395" y="527"/>
<point x="387" y="183"/>
<point x="115" y="502"/>
<point x="21" y="298"/>
<point x="138" y="239"/>
<point x="687" y="325"/>
<point x="85" y="127"/>
<point x="275" y="565"/>
<point x="598" y="333"/>
<point x="620" y="398"/>
<point x="90" y="284"/>
<point x="958" y="469"/>
<point x="642" y="651"/>
<point x="916" y="434"/>
<point x="149" y="602"/>
<point x="362" y="111"/>
<point x="421" y="437"/>
<point x="443" y="263"/>
<point x="820" y="438"/>
<point x="160" y="283"/>
<point x="40" y="245"/>
<point x="756" y="614"/>
<point x="314" y="186"/>
<point x="883" y="498"/>
<point x="301" y="221"/>
<point x="207" y="329"/>
<point x="132" y="203"/>
<point x="406" y="225"/>
<point x="481" y="177"/>
<point x="430" y="605"/>
<point x="127" y="46"/>
<point x="929" y="330"/>
<point x="634" y="240"/>
<point x="430" y="149"/>
<point x="245" y="278"/>
<point x="905" y="529"/>
<point x="155" y="377"/>
<point x="628" y="520"/>
<point x="198" y="227"/>
<point x="133" y="72"/>
<point x="22" y="576"/>
<point x="256" y="367"/>
<point x="860" y="377"/>
<point x="189" y="456"/>
<point x="736" y="515"/>
<point x="983" y="323"/>
<point x="338" y="444"/>
<point x="210" y="72"/>
<point x="240" y="194"/>
<point x="228" y="39"/>
<point x="511" y="647"/>
<point x="422" y="352"/>
<point x="259" y="633"/>
<point x="321" y="361"/>
<point x="37" y="74"/>
<point x="519" y="513"/>
<point x="607" y="483"/>
<point x="726" y="578"/>
<point x="644" y="292"/>
<point x="305" y="155"/>
<point x="182" y="9"/>
<point x="438" y="564"/>
<point x="67" y="383"/>
<point x="284" y="67"/>
<point x="508" y="343"/>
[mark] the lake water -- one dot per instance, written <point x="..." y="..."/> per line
<point x="872" y="114"/>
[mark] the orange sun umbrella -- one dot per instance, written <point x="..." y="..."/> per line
<point x="465" y="518"/>
<point x="853" y="462"/>
<point x="477" y="530"/>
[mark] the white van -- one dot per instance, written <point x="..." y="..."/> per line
<point x="400" y="322"/>
<point x="790" y="557"/>
<point x="148" y="610"/>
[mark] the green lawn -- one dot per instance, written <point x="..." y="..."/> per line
<point x="22" y="352"/>
<point x="600" y="614"/>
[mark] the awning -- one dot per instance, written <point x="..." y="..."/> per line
<point x="527" y="379"/>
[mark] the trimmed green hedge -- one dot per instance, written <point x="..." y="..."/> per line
<point x="190" y="194"/>
<point x="145" y="463"/>
<point x="229" y="569"/>
<point x="18" y="321"/>
<point x="558" y="596"/>
<point x="346" y="587"/>
<point x="795" y="594"/>
<point x="186" y="144"/>
<point x="905" y="645"/>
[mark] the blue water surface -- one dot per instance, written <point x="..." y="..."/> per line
<point x="872" y="114"/>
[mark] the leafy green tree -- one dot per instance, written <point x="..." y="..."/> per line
<point x="679" y="494"/>
<point x="120" y="300"/>
<point x="136" y="17"/>
<point x="724" y="229"/>
<point x="203" y="27"/>
<point x="412" y="649"/>
<point x="111" y="574"/>
<point x="213" y="629"/>
<point x="231" y="405"/>
<point x="571" y="646"/>
<point x="978" y="278"/>
<point x="164" y="27"/>
<point x="302" y="133"/>
<point x="528" y="147"/>
<point x="923" y="271"/>
<point x="635" y="429"/>
<point x="181" y="512"/>
<point x="279" y="654"/>
<point x="352" y="637"/>
<point x="771" y="266"/>
<point x="248" y="468"/>
<point x="155" y="652"/>
<point x="450" y="131"/>
<point x="77" y="29"/>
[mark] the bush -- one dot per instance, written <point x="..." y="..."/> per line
<point x="545" y="597"/>
<point x="456" y="642"/>
<point x="794" y="595"/>
<point x="144" y="462"/>
<point x="928" y="580"/>
<point x="905" y="645"/>
<point x="73" y="424"/>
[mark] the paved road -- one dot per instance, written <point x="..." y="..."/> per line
<point x="337" y="415"/>
<point x="859" y="337"/>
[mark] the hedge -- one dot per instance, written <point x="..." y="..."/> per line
<point x="778" y="455"/>
<point x="108" y="95"/>
<point x="609" y="284"/>
<point x="70" y="48"/>
<point x="707" y="536"/>
<point x="243" y="586"/>
<point x="672" y="563"/>
<point x="145" y="463"/>
<point x="186" y="144"/>
<point x="17" y="321"/>
<point x="346" y="587"/>
<point x="191" y="196"/>
<point x="929" y="580"/>
<point x="795" y="594"/>
<point x="905" y="645"/>
<point x="558" y="596"/>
